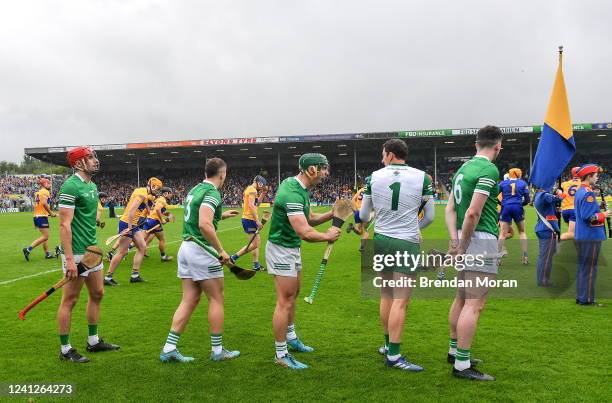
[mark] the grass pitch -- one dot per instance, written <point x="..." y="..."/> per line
<point x="539" y="349"/>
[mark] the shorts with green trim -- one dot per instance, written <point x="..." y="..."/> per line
<point x="281" y="261"/>
<point x="484" y="249"/>
<point x="196" y="263"/>
<point x="386" y="245"/>
<point x="77" y="260"/>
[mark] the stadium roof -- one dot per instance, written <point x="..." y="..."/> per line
<point x="281" y="150"/>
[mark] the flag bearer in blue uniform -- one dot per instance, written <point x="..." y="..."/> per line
<point x="590" y="232"/>
<point x="547" y="230"/>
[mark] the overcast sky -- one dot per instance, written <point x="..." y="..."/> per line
<point x="96" y="72"/>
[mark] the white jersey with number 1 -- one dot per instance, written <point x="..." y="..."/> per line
<point x="396" y="192"/>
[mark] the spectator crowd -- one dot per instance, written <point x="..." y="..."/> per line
<point x="17" y="191"/>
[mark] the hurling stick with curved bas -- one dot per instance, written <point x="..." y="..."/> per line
<point x="91" y="259"/>
<point x="112" y="239"/>
<point x="342" y="210"/>
<point x="265" y="217"/>
<point x="239" y="272"/>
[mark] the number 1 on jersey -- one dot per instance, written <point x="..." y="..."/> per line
<point x="395" y="187"/>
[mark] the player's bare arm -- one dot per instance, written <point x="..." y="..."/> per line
<point x="229" y="214"/>
<point x="450" y="215"/>
<point x="308" y="233"/>
<point x="319" y="218"/>
<point x="207" y="229"/>
<point x="472" y="216"/>
<point x="429" y="212"/>
<point x="48" y="208"/>
<point x="65" y="216"/>
<point x="132" y="210"/>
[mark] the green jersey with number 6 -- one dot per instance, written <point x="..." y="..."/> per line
<point x="397" y="192"/>
<point x="202" y="194"/>
<point x="478" y="175"/>
<point x="292" y="198"/>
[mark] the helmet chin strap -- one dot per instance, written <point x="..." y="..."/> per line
<point x="82" y="166"/>
<point x="309" y="176"/>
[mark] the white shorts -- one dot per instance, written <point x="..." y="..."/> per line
<point x="281" y="261"/>
<point x="485" y="248"/>
<point x="197" y="264"/>
<point x="77" y="260"/>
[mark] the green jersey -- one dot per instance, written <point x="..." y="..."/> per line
<point x="292" y="198"/>
<point x="202" y="194"/>
<point x="478" y="175"/>
<point x="82" y="197"/>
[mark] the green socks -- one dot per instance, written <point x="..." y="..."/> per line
<point x="462" y="359"/>
<point x="394" y="351"/>
<point x="452" y="346"/>
<point x="65" y="343"/>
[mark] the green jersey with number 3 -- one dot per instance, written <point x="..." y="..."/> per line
<point x="397" y="192"/>
<point x="202" y="194"/>
<point x="478" y="175"/>
<point x="292" y="198"/>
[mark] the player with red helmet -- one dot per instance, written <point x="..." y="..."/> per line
<point x="78" y="205"/>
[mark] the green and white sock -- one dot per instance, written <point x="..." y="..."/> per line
<point x="291" y="335"/>
<point x="452" y="346"/>
<point x="394" y="351"/>
<point x="173" y="338"/>
<point x="93" y="338"/>
<point x="216" y="341"/>
<point x="65" y="343"/>
<point x="281" y="349"/>
<point x="462" y="359"/>
<point x="386" y="341"/>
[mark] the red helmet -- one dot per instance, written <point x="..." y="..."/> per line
<point x="44" y="182"/>
<point x="77" y="154"/>
<point x="588" y="169"/>
<point x="574" y="172"/>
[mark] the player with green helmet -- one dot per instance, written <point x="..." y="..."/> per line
<point x="293" y="221"/>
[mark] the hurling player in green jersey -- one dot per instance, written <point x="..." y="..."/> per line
<point x="293" y="221"/>
<point x="78" y="208"/>
<point x="200" y="271"/>
<point x="471" y="220"/>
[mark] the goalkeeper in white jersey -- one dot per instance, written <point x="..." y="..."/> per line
<point x="396" y="193"/>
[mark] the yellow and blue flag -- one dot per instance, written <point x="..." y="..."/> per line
<point x="557" y="146"/>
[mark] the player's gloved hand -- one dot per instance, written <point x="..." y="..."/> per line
<point x="224" y="258"/>
<point x="332" y="234"/>
<point x="71" y="269"/>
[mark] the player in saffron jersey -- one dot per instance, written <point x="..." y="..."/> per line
<point x="568" y="213"/>
<point x="515" y="195"/>
<point x="250" y="219"/>
<point x="130" y="226"/>
<point x="42" y="210"/>
<point x="358" y="227"/>
<point x="156" y="219"/>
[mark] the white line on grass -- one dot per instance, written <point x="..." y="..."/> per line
<point x="54" y="270"/>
